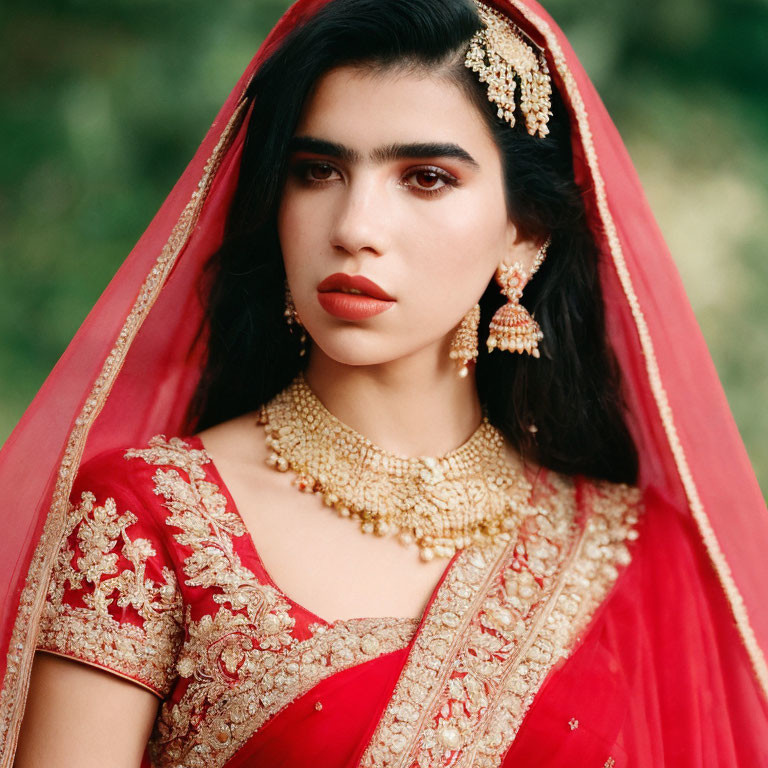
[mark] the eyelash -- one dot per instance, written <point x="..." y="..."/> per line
<point x="301" y="170"/>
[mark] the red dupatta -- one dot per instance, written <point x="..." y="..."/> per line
<point x="132" y="367"/>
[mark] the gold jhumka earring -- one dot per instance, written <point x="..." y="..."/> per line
<point x="513" y="328"/>
<point x="464" y="342"/>
<point x="293" y="320"/>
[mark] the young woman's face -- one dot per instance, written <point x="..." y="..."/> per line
<point x="394" y="178"/>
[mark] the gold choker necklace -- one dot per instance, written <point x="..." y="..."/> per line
<point x="441" y="504"/>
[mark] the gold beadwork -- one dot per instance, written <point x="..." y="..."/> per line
<point x="464" y="343"/>
<point x="441" y="504"/>
<point x="499" y="53"/>
<point x="512" y="326"/>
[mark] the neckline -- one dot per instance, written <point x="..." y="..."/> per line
<point x="210" y="467"/>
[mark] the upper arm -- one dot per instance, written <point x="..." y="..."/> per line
<point x="113" y="598"/>
<point x="80" y="716"/>
<point x="113" y="602"/>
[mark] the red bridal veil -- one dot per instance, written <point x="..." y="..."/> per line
<point x="130" y="371"/>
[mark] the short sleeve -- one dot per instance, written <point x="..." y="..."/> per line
<point x="113" y="600"/>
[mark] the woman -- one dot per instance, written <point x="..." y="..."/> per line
<point x="588" y="590"/>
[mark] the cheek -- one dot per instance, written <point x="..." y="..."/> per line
<point x="456" y="255"/>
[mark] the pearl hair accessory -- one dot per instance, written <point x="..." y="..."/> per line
<point x="499" y="53"/>
<point x="469" y="495"/>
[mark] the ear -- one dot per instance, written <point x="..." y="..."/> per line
<point x="519" y="248"/>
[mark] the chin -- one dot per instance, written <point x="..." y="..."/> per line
<point x="345" y="354"/>
<point x="357" y="347"/>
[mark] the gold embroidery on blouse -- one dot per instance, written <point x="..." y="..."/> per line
<point x="241" y="665"/>
<point x="235" y="686"/>
<point x="207" y="527"/>
<point x="146" y="653"/>
<point x="468" y="683"/>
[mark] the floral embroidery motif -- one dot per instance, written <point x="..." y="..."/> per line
<point x="235" y="687"/>
<point x="207" y="527"/>
<point x="242" y="665"/>
<point x="145" y="652"/>
<point x="487" y="646"/>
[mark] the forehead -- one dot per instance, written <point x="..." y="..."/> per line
<point x="366" y="108"/>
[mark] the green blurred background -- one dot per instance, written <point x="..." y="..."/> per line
<point x="103" y="104"/>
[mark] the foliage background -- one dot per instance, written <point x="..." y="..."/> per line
<point x="102" y="105"/>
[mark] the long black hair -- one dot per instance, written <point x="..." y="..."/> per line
<point x="564" y="410"/>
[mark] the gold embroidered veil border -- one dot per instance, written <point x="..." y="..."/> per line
<point x="21" y="649"/>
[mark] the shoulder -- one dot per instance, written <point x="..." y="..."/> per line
<point x="128" y="477"/>
<point x="234" y="442"/>
<point x="609" y="498"/>
<point x="126" y="461"/>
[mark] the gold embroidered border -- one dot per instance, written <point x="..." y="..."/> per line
<point x="584" y="583"/>
<point x="242" y="666"/>
<point x="268" y="681"/>
<point x="759" y="664"/>
<point x="145" y="652"/>
<point x="429" y="662"/>
<point x="22" y="647"/>
<point x="468" y="685"/>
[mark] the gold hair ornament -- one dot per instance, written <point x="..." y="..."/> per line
<point x="499" y="53"/>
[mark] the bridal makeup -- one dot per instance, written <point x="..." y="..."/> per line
<point x="393" y="216"/>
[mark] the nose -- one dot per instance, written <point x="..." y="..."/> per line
<point x="359" y="220"/>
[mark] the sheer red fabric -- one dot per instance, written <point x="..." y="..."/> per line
<point x="130" y="371"/>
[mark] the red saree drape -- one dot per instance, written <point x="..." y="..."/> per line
<point x="682" y="638"/>
<point x="634" y="692"/>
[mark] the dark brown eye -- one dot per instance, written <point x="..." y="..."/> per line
<point x="320" y="171"/>
<point x="427" y="179"/>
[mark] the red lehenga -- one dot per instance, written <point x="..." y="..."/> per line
<point x="617" y="631"/>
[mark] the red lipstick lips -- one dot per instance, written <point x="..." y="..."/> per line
<point x="352" y="297"/>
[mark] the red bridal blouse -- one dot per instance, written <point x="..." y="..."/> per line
<point x="578" y="641"/>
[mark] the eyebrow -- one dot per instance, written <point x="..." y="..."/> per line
<point x="383" y="154"/>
